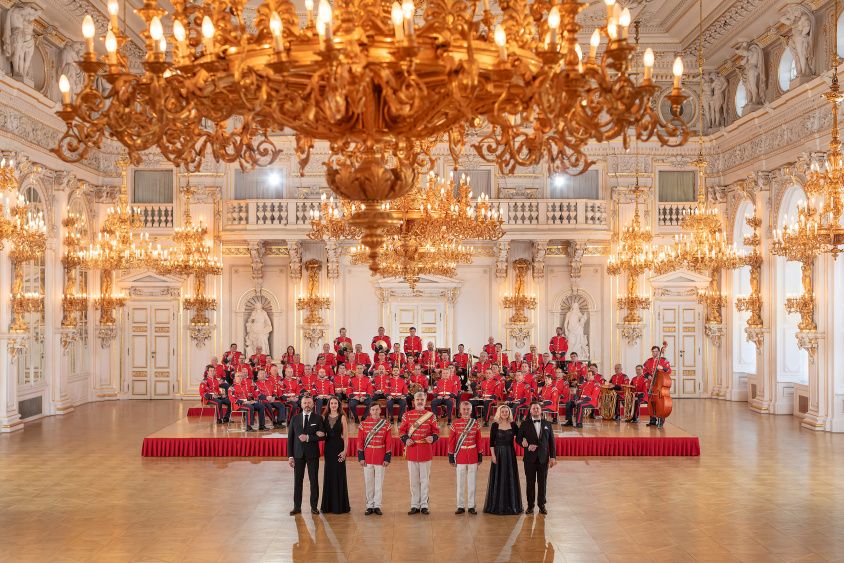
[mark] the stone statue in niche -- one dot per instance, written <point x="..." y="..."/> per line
<point x="751" y="67"/>
<point x="801" y="21"/>
<point x="719" y="101"/>
<point x="258" y="329"/>
<point x="574" y="327"/>
<point x="72" y="53"/>
<point x="708" y="96"/>
<point x="19" y="39"/>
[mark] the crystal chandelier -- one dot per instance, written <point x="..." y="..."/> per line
<point x="313" y="302"/>
<point x="72" y="302"/>
<point x="8" y="178"/>
<point x="518" y="300"/>
<point x="752" y="302"/>
<point x="408" y="260"/>
<point x="374" y="80"/>
<point x="27" y="242"/>
<point x="634" y="256"/>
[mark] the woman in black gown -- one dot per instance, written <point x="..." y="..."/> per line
<point x="504" y="492"/>
<point x="335" y="492"/>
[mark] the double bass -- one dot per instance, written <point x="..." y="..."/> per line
<point x="659" y="399"/>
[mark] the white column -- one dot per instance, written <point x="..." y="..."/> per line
<point x="55" y="358"/>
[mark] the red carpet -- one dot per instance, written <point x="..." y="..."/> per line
<point x="277" y="447"/>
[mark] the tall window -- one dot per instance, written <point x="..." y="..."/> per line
<point x="153" y="186"/>
<point x="261" y="183"/>
<point x="787" y="70"/>
<point x="744" y="358"/>
<point x="78" y="352"/>
<point x="30" y="365"/>
<point x="741" y="98"/>
<point x="583" y="186"/>
<point x="676" y="186"/>
<point x="792" y="362"/>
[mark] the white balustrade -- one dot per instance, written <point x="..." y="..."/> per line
<point x="155" y="215"/>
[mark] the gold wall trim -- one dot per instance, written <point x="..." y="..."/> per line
<point x="18" y="423"/>
<point x="162" y="329"/>
<point x="689" y="373"/>
<point x="139" y="374"/>
<point x="139" y="329"/>
<point x="689" y="329"/>
<point x="669" y="329"/>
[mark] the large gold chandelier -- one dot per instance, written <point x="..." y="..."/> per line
<point x="27" y="242"/>
<point x="72" y="301"/>
<point x="634" y="256"/>
<point x="375" y="80"/>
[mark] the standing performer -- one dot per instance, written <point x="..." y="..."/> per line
<point x="335" y="488"/>
<point x="650" y="367"/>
<point x="412" y="345"/>
<point x="381" y="342"/>
<point x="342" y="346"/>
<point x="642" y="384"/>
<point x="419" y="431"/>
<point x="375" y="444"/>
<point x="396" y="391"/>
<point x="464" y="453"/>
<point x="361" y="357"/>
<point x="306" y="431"/>
<point x="537" y="438"/>
<point x="558" y="347"/>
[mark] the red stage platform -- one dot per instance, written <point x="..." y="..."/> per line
<point x="190" y="437"/>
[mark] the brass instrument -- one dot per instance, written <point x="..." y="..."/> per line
<point x="414" y="388"/>
<point x="470" y="367"/>
<point x="629" y="402"/>
<point x="346" y="347"/>
<point x="380" y="346"/>
<point x="607" y="403"/>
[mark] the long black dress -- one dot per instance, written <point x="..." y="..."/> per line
<point x="504" y="491"/>
<point x="335" y="491"/>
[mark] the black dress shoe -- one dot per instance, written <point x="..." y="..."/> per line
<point x="567" y="423"/>
<point x="651" y="423"/>
<point x="425" y="511"/>
<point x="225" y="419"/>
<point x="219" y="421"/>
<point x="529" y="510"/>
<point x="449" y="421"/>
<point x="633" y="420"/>
<point x="378" y="511"/>
<point x="263" y="428"/>
<point x="472" y="511"/>
<point x="460" y="511"/>
<point x="295" y="511"/>
<point x="578" y="426"/>
<point x="249" y="429"/>
<point x="413" y="511"/>
<point x="369" y="511"/>
<point x="542" y="510"/>
<point x="392" y="421"/>
<point x="486" y="424"/>
<point x="314" y="511"/>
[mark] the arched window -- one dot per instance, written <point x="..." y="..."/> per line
<point x="787" y="70"/>
<point x="30" y="366"/>
<point x="79" y="352"/>
<point x="744" y="355"/>
<point x="741" y="98"/>
<point x="792" y="362"/>
<point x="839" y="34"/>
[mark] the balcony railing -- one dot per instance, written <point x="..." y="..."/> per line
<point x="671" y="214"/>
<point x="155" y="215"/>
<point x="578" y="213"/>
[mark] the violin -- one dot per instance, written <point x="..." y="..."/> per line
<point x="659" y="398"/>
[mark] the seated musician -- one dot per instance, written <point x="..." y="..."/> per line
<point x="297" y="365"/>
<point x="361" y="357"/>
<point x="533" y="358"/>
<point x="442" y="364"/>
<point x="587" y="398"/>
<point x="489" y="347"/>
<point x="396" y="358"/>
<point x="413" y="345"/>
<point x="381" y="342"/>
<point x="308" y="378"/>
<point x="429" y="360"/>
<point x="259" y="359"/>
<point x="417" y="379"/>
<point x="548" y="367"/>
<point x="516" y="364"/>
<point x="232" y="357"/>
<point x="519" y="395"/>
<point x="209" y="389"/>
<point x="342" y="347"/>
<point x="330" y="359"/>
<point x="379" y="385"/>
<point x="598" y="377"/>
<point x="562" y="385"/>
<point x="461" y="363"/>
<point x="488" y="392"/>
<point x="446" y="390"/>
<point x="359" y="392"/>
<point x="576" y="368"/>
<point x="220" y="373"/>
<point x="323" y="389"/>
<point x="278" y="404"/>
<point x="264" y="393"/>
<point x="499" y="357"/>
<point x="642" y="384"/>
<point x="396" y="392"/>
<point x="291" y="392"/>
<point x="320" y="364"/>
<point x="617" y="380"/>
<point x="342" y="383"/>
<point x="380" y="362"/>
<point x="558" y="347"/>
<point x="409" y="368"/>
<point x="239" y="396"/>
<point x="548" y="397"/>
<point x="289" y="356"/>
<point x="273" y="375"/>
<point x="479" y="369"/>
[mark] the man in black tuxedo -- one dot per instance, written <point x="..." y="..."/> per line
<point x="537" y="438"/>
<point x="307" y="430"/>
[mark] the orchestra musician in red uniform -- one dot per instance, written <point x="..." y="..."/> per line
<point x="361" y="357"/>
<point x="329" y="372"/>
<point x="479" y="368"/>
<point x="338" y="345"/>
<point x="417" y="378"/>
<point x="429" y="359"/>
<point x="617" y="380"/>
<point x="548" y="366"/>
<point x="209" y="389"/>
<point x="642" y="384"/>
<point x="418" y="431"/>
<point x="330" y="359"/>
<point x="487" y="392"/>
<point x="588" y="397"/>
<point x="464" y="453"/>
<point x="549" y="396"/>
<point x="308" y="378"/>
<point x="461" y="363"/>
<point x="239" y="396"/>
<point x="489" y="347"/>
<point x="650" y="367"/>
<point x="446" y="391"/>
<point x="298" y="366"/>
<point x="263" y="392"/>
<point x="533" y="358"/>
<point x="396" y="358"/>
<point x="360" y="392"/>
<point x="558" y="347"/>
<point x="562" y="385"/>
<point x="598" y="377"/>
<point x="219" y="369"/>
<point x="396" y="392"/>
<point x="291" y="392"/>
<point x="232" y="357"/>
<point x="288" y="356"/>
<point x="278" y="404"/>
<point x="381" y="362"/>
<point x="259" y="359"/>
<point x="375" y="445"/>
<point x="323" y="389"/>
<point x="342" y="382"/>
<point x="381" y="337"/>
<point x="577" y="368"/>
<point x="519" y="396"/>
<point x="442" y="363"/>
<point x="412" y="345"/>
<point x="516" y="364"/>
<point x="379" y="384"/>
<point x="499" y="357"/>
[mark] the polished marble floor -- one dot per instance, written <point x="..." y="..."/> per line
<point x="77" y="489"/>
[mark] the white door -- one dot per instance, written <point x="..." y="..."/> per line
<point x="428" y="318"/>
<point x="152" y="351"/>
<point x="680" y="325"/>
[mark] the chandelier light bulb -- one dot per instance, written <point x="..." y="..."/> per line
<point x="64" y="87"/>
<point x="612" y="29"/>
<point x="649" y="62"/>
<point x="111" y="47"/>
<point x="88" y="31"/>
<point x="179" y="31"/>
<point x="277" y="30"/>
<point x="579" y="51"/>
<point x="309" y="6"/>
<point x="113" y="10"/>
<point x="156" y="31"/>
<point x="593" y="44"/>
<point x="678" y="71"/>
<point x="397" y="15"/>
<point x="501" y="41"/>
<point x="208" y="35"/>
<point x="624" y="20"/>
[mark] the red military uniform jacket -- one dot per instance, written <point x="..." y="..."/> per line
<point x="362" y="358"/>
<point x="264" y="388"/>
<point x="619" y="380"/>
<point x="443" y="364"/>
<point x="221" y="371"/>
<point x="420" y="380"/>
<point x="429" y="358"/>
<point x="470" y="448"/>
<point x="397" y="359"/>
<point x="481" y="368"/>
<point x="502" y="361"/>
<point x="445" y="387"/>
<point x="386" y="339"/>
<point x="650" y="366"/>
<point x="531" y="380"/>
<point x="232" y="358"/>
<point x="339" y="340"/>
<point x="578" y="368"/>
<point x="488" y="388"/>
<point x="290" y="388"/>
<point x="412" y="345"/>
<point x="461" y="360"/>
<point x="396" y="387"/>
<point x="380" y="382"/>
<point x="258" y="359"/>
<point x="330" y="359"/>
<point x="287" y="358"/>
<point x="298" y="369"/>
<point x="380" y="448"/>
<point x="342" y="383"/>
<point x="239" y="392"/>
<point x="549" y="369"/>
<point x="641" y="384"/>
<point x="489" y="349"/>
<point x="308" y="381"/>
<point x="275" y="381"/>
<point x="533" y="360"/>
<point x="329" y="373"/>
<point x="549" y="393"/>
<point x="323" y="387"/>
<point x="407" y="369"/>
<point x="208" y="385"/>
<point x="419" y="450"/>
<point x="359" y="387"/>
<point x="520" y="390"/>
<point x="563" y="388"/>
<point x="386" y="365"/>
<point x="591" y="390"/>
<point x="558" y="346"/>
